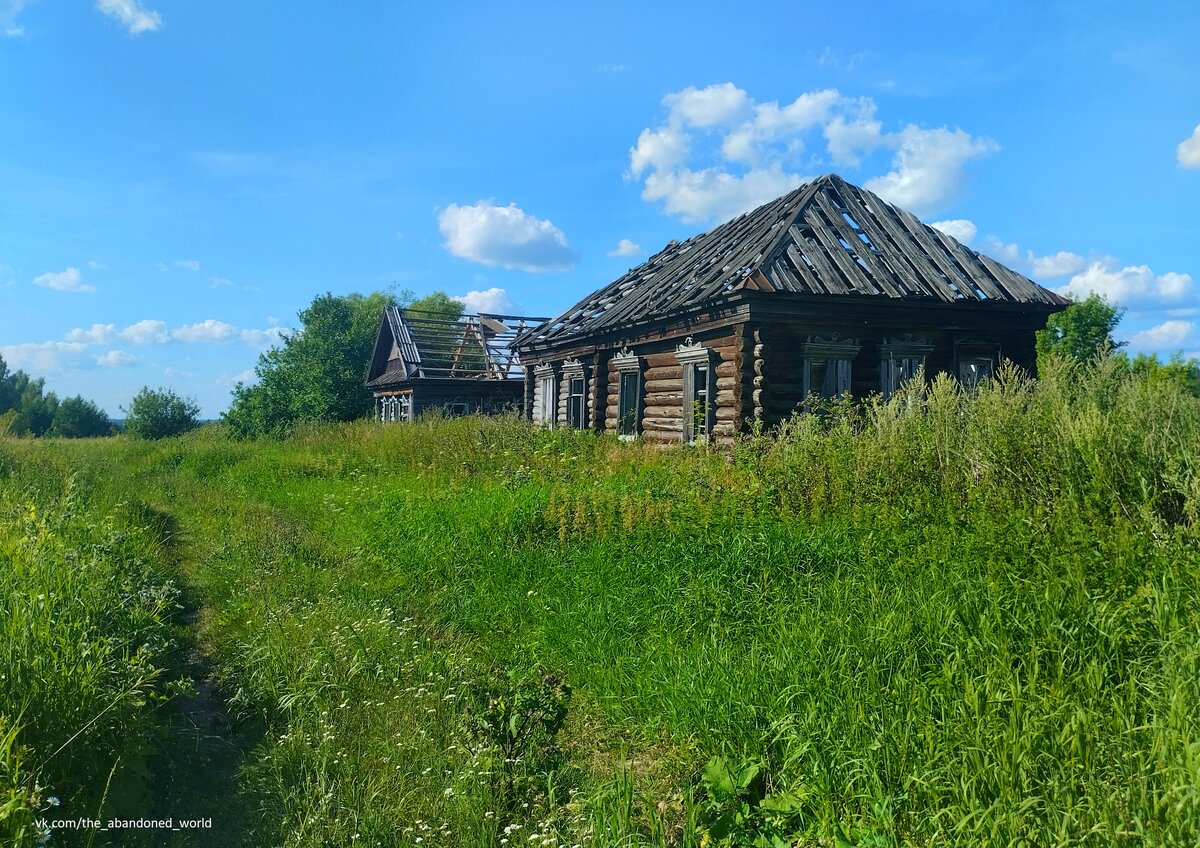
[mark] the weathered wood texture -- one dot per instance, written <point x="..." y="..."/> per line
<point x="825" y="238"/>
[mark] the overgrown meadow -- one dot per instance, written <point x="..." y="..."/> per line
<point x="949" y="619"/>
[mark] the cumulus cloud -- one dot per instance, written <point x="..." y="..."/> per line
<point x="625" y="247"/>
<point x="262" y="338"/>
<point x="487" y="300"/>
<point x="1059" y="264"/>
<point x="42" y="357"/>
<point x="116" y="359"/>
<point x="208" y="330"/>
<point x="1188" y="151"/>
<point x="96" y="334"/>
<point x="192" y="265"/>
<point x="505" y="237"/>
<point x="131" y="14"/>
<point x="69" y="280"/>
<point x="1132" y="284"/>
<point x="928" y="167"/>
<point x="1168" y="334"/>
<point x="147" y="332"/>
<point x="718" y="152"/>
<point x="959" y="229"/>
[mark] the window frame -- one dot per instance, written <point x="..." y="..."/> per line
<point x="698" y="424"/>
<point x="833" y="351"/>
<point x="573" y="370"/>
<point x="547" y="386"/>
<point x="898" y="356"/>
<point x="629" y="368"/>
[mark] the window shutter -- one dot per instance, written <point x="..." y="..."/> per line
<point x="689" y="393"/>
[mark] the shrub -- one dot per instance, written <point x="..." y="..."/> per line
<point x="160" y="413"/>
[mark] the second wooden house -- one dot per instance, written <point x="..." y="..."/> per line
<point x="825" y="291"/>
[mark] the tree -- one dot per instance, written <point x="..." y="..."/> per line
<point x="318" y="372"/>
<point x="160" y="413"/>
<point x="439" y="303"/>
<point x="1082" y="331"/>
<point x="76" y="418"/>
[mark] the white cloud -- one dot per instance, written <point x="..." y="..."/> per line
<point x="625" y="247"/>
<point x="247" y="376"/>
<point x="718" y="153"/>
<point x="9" y="9"/>
<point x="192" y="265"/>
<point x="487" y="300"/>
<point x="1057" y="265"/>
<point x="262" y="338"/>
<point x="96" y="265"/>
<point x="1168" y="334"/>
<point x="712" y="106"/>
<point x="96" y="334"/>
<point x="959" y="229"/>
<point x="505" y="237"/>
<point x="41" y="357"/>
<point x="69" y="280"/>
<point x="208" y="330"/>
<point x="928" y="166"/>
<point x="131" y="14"/>
<point x="1061" y="264"/>
<point x="1188" y="151"/>
<point x="147" y="332"/>
<point x="219" y="283"/>
<point x="1128" y="285"/>
<point x="116" y="359"/>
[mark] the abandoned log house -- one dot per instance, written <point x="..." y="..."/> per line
<point x="427" y="361"/>
<point x="824" y="291"/>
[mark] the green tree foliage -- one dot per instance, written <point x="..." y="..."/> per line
<point x="79" y="418"/>
<point x="160" y="413"/>
<point x="318" y="372"/>
<point x="1184" y="373"/>
<point x="439" y="303"/>
<point x="27" y="409"/>
<point x="1082" y="331"/>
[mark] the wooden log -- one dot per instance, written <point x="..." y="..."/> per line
<point x="675" y="385"/>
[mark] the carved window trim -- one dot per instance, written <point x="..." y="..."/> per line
<point x="577" y="403"/>
<point x="836" y="353"/>
<point x="699" y="391"/>
<point x="900" y="359"/>
<point x="630" y="385"/>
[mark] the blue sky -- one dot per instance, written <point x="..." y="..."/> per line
<point x="179" y="179"/>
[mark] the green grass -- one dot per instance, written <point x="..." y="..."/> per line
<point x="948" y="619"/>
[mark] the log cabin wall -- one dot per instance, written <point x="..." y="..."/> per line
<point x="662" y="407"/>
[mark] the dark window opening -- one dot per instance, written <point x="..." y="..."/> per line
<point x="576" y="408"/>
<point x="627" y="404"/>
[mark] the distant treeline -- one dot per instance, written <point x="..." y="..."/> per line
<point x="27" y="409"/>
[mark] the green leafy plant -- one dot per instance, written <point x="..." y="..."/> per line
<point x="738" y="809"/>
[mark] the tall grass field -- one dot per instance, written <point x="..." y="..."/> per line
<point x="952" y="618"/>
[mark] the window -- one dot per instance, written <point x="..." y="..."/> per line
<point x="457" y="409"/>
<point x="973" y="369"/>
<point x="627" y="404"/>
<point x="901" y="360"/>
<point x="974" y="360"/>
<point x="575" y="404"/>
<point x="826" y="370"/>
<point x="546" y="407"/>
<point x="629" y="393"/>
<point x="576" y="378"/>
<point x="699" y="407"/>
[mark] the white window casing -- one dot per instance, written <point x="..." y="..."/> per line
<point x="699" y="390"/>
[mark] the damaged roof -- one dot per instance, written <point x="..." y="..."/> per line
<point x="827" y="237"/>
